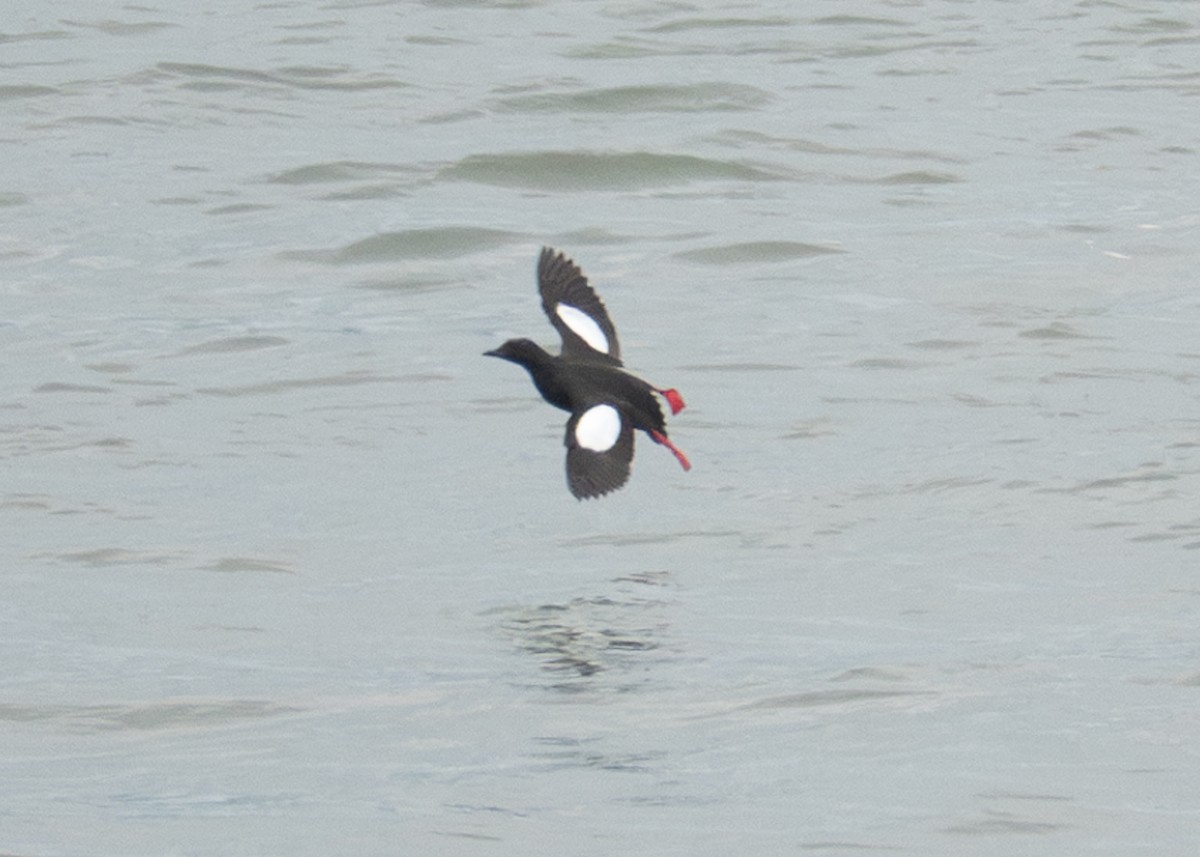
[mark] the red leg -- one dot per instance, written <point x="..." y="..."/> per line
<point x="673" y="399"/>
<point x="659" y="437"/>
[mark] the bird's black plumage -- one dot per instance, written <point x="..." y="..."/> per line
<point x="586" y="378"/>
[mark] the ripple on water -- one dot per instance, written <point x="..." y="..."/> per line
<point x="592" y="170"/>
<point x="756" y="251"/>
<point x="686" y="98"/>
<point x="145" y="715"/>
<point x="446" y="242"/>
<point x="216" y="78"/>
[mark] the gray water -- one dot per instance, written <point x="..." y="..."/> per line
<point x="289" y="568"/>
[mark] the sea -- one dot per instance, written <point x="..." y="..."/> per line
<point x="288" y="567"/>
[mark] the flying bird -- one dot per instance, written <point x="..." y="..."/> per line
<point x="587" y="379"/>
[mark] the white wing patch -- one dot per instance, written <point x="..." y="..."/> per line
<point x="584" y="326"/>
<point x="598" y="428"/>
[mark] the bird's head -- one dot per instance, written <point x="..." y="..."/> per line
<point x="526" y="352"/>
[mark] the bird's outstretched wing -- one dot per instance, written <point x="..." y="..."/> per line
<point x="576" y="311"/>
<point x="599" y="450"/>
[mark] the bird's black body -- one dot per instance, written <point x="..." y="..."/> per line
<point x="573" y="385"/>
<point x="606" y="403"/>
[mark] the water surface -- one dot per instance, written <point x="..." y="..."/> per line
<point x="292" y="569"/>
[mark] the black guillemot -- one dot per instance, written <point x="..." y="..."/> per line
<point x="606" y="403"/>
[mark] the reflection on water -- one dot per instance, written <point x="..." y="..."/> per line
<point x="588" y="635"/>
